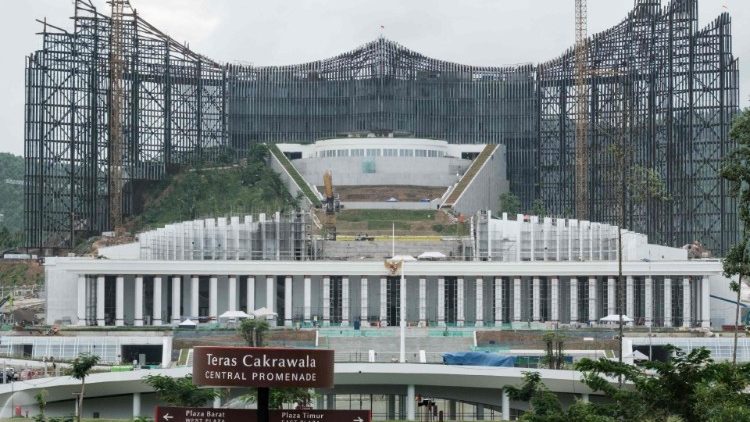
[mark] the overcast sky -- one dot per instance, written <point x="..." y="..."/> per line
<point x="273" y="32"/>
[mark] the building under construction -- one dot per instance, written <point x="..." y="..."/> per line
<point x="656" y="82"/>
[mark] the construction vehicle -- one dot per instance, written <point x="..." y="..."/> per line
<point x="331" y="206"/>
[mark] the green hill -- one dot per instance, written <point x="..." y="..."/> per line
<point x="247" y="188"/>
<point x="11" y="207"/>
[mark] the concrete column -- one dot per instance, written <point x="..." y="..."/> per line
<point x="307" y="299"/>
<point x="498" y="289"/>
<point x="288" y="301"/>
<point x="686" y="320"/>
<point x="138" y="313"/>
<point x="629" y="298"/>
<point x="136" y="405"/>
<point x="555" y="299"/>
<point x="451" y="410"/>
<point x="422" y="302"/>
<point x="326" y="301"/>
<point x="81" y="299"/>
<point x="585" y="397"/>
<point x="574" y="300"/>
<point x="232" y="293"/>
<point x="480" y="303"/>
<point x="667" y="302"/>
<point x="270" y="302"/>
<point x="410" y="402"/>
<point x="537" y="300"/>
<point x="460" y="302"/>
<point x="506" y="406"/>
<point x="100" y="300"/>
<point x="344" y="301"/>
<point x="363" y="304"/>
<point x="649" y="299"/>
<point x="250" y="294"/>
<point x="516" y="299"/>
<point x="705" y="302"/>
<point x="441" y="302"/>
<point x="157" y="301"/>
<point x="383" y="310"/>
<point x="612" y="296"/>
<point x="195" y="297"/>
<point x="593" y="301"/>
<point x="176" y="296"/>
<point x="213" y="298"/>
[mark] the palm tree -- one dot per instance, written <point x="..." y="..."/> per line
<point x="80" y="369"/>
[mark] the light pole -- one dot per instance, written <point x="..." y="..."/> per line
<point x="402" y="313"/>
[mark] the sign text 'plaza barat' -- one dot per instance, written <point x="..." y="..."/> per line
<point x="262" y="367"/>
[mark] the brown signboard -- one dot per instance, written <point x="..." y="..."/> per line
<point x="205" y="414"/>
<point x="262" y="367"/>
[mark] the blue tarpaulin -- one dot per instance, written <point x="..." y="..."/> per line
<point x="478" y="359"/>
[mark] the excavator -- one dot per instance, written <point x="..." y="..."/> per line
<point x="332" y="206"/>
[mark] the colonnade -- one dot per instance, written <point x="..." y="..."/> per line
<point x="373" y="300"/>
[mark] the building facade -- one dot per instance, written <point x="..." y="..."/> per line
<point x="656" y="80"/>
<point x="545" y="273"/>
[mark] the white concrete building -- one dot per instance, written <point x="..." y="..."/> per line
<point x="522" y="271"/>
<point x="434" y="169"/>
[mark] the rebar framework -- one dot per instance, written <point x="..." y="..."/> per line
<point x="181" y="108"/>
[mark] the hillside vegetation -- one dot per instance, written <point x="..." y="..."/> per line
<point x="247" y="188"/>
<point x="11" y="206"/>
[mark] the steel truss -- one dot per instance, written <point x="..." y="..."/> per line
<point x="183" y="108"/>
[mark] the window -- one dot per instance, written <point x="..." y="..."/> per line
<point x="373" y="152"/>
<point x="358" y="153"/>
<point x="406" y="152"/>
<point x="390" y="152"/>
<point x="342" y="153"/>
<point x="421" y="152"/>
<point x="432" y="153"/>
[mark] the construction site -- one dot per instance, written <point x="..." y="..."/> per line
<point x="113" y="104"/>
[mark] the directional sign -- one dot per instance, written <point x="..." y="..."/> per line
<point x="262" y="367"/>
<point x="204" y="414"/>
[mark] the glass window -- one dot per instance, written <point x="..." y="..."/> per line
<point x="358" y="153"/>
<point x="407" y="153"/>
<point x="421" y="152"/>
<point x="390" y="152"/>
<point x="342" y="153"/>
<point x="373" y="152"/>
<point x="432" y="153"/>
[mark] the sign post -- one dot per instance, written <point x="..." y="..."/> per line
<point x="264" y="368"/>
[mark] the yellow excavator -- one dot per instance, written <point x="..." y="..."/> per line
<point x="332" y="206"/>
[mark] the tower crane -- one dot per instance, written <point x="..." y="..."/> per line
<point x="116" y="70"/>
<point x="582" y="117"/>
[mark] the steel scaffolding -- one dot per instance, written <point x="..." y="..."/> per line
<point x="182" y="108"/>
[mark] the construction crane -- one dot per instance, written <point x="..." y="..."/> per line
<point x="582" y="112"/>
<point x="116" y="70"/>
<point x="331" y="206"/>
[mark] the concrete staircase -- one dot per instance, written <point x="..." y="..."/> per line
<point x="370" y="250"/>
<point x="468" y="177"/>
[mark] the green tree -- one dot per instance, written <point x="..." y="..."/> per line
<point x="252" y="331"/>
<point x="41" y="402"/>
<point x="278" y="397"/>
<point x="690" y="386"/>
<point x="553" y="356"/>
<point x="545" y="405"/>
<point x="180" y="391"/>
<point x="510" y="203"/>
<point x="80" y="368"/>
<point x="736" y="171"/>
<point x="538" y="208"/>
